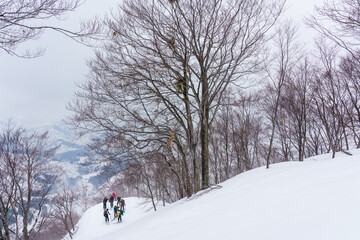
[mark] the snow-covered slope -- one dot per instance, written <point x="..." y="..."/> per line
<point x="318" y="199"/>
<point x="92" y="224"/>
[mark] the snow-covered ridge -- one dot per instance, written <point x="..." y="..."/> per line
<point x="59" y="131"/>
<point x="71" y="155"/>
<point x="313" y="200"/>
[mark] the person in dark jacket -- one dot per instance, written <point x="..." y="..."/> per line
<point x="122" y="206"/>
<point x="106" y="215"/>
<point x="111" y="201"/>
<point x="104" y="202"/>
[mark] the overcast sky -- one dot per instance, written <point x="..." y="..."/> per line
<point x="34" y="92"/>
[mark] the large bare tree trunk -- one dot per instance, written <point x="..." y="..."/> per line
<point x="204" y="138"/>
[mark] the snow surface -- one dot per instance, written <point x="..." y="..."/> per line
<point x="313" y="200"/>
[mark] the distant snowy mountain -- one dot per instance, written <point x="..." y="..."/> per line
<point x="59" y="131"/>
<point x="315" y="199"/>
<point x="71" y="156"/>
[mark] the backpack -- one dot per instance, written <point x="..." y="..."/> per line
<point x="105" y="214"/>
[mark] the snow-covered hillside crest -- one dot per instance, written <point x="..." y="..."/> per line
<point x="312" y="200"/>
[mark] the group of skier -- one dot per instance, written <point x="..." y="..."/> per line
<point x="118" y="209"/>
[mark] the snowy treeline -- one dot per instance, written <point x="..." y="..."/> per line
<point x="186" y="94"/>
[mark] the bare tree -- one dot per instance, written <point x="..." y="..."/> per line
<point x="63" y="212"/>
<point x="235" y="138"/>
<point x="350" y="79"/>
<point x="316" y="138"/>
<point x="328" y="99"/>
<point x="8" y="171"/>
<point x="286" y="55"/>
<point x="296" y="105"/>
<point x="30" y="177"/>
<point x="339" y="20"/>
<point x="180" y="55"/>
<point x="140" y="175"/>
<point x="38" y="179"/>
<point x="221" y="137"/>
<point x="23" y="20"/>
